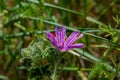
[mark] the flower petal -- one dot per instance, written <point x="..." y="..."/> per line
<point x="81" y="35"/>
<point x="51" y="38"/>
<point x="79" y="45"/>
<point x="72" y="38"/>
<point x="60" y="35"/>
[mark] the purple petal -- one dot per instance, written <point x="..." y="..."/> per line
<point x="81" y="35"/>
<point x="79" y="45"/>
<point x="73" y="37"/>
<point x="60" y="35"/>
<point x="51" y="38"/>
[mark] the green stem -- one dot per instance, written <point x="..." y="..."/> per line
<point x="54" y="76"/>
<point x="22" y="34"/>
<point x="58" y="7"/>
<point x="92" y="59"/>
<point x="73" y="69"/>
<point x="14" y="56"/>
<point x="107" y="8"/>
<point x="85" y="20"/>
<point x="63" y="9"/>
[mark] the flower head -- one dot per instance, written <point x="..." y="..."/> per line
<point x="61" y="43"/>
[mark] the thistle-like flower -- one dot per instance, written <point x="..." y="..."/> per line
<point x="61" y="43"/>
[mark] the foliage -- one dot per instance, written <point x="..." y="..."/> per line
<point x="26" y="53"/>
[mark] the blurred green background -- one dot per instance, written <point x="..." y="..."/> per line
<point x="22" y="22"/>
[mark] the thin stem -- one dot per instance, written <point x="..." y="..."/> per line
<point x="54" y="76"/>
<point x="85" y="20"/>
<point x="58" y="7"/>
<point x="14" y="56"/>
<point x="93" y="59"/>
<point x="84" y="55"/>
<point x="73" y="69"/>
<point x="21" y="34"/>
<point x="107" y="8"/>
<point x="63" y="9"/>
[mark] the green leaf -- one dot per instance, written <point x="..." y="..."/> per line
<point x="3" y="77"/>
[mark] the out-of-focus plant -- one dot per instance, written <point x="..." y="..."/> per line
<point x="99" y="71"/>
<point x="24" y="23"/>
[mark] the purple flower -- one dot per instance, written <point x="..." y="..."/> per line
<point x="61" y="43"/>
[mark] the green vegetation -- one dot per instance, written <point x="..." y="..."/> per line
<point x="27" y="54"/>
